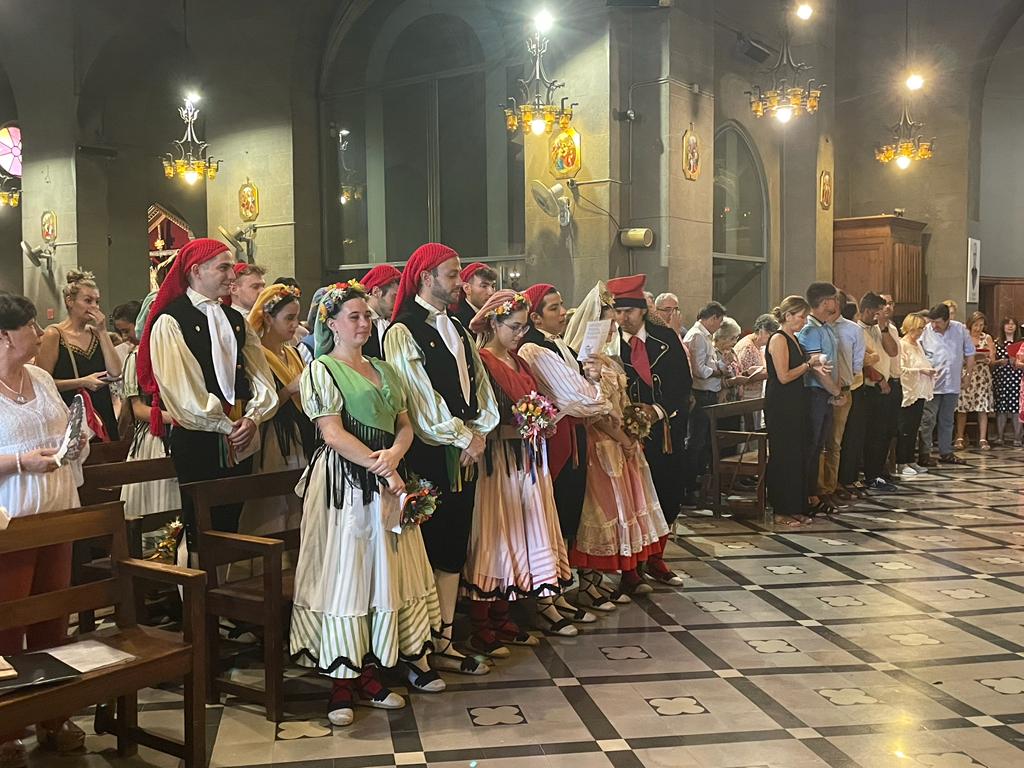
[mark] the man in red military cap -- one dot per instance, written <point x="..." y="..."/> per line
<point x="381" y="284"/>
<point x="559" y="375"/>
<point x="452" y="408"/>
<point x="658" y="376"/>
<point x="203" y="365"/>
<point x="479" y="282"/>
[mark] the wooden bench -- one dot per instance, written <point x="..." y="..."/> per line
<point x="160" y="656"/>
<point x="108" y="453"/>
<point x="745" y="462"/>
<point x="103" y="483"/>
<point x="264" y="600"/>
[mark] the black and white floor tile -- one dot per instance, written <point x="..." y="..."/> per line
<point x="889" y="635"/>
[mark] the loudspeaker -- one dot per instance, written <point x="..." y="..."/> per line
<point x="639" y="3"/>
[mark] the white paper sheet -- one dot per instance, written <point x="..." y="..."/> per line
<point x="89" y="655"/>
<point x="594" y="338"/>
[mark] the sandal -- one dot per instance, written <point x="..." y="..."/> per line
<point x="951" y="458"/>
<point x="561" y="628"/>
<point x="590" y="582"/>
<point x="427" y="681"/>
<point x="454" y="662"/>
<point x="491" y="647"/>
<point x="372" y="692"/>
<point x="341" y="706"/>
<point x="958" y="444"/>
<point x="632" y="583"/>
<point x="575" y="614"/>
<point x="67" y="737"/>
<point x="984" y="445"/>
<point x="823" y="507"/>
<point x="505" y="630"/>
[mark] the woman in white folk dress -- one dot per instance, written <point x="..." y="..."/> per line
<point x="364" y="595"/>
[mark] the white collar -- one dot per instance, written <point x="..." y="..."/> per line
<point x="431" y="309"/>
<point x="641" y="334"/>
<point x="198" y="299"/>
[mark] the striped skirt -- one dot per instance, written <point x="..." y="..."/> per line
<point x="363" y="594"/>
<point x="516" y="549"/>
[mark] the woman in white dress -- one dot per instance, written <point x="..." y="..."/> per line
<point x="364" y="593"/>
<point x="622" y="524"/>
<point x="33" y="420"/>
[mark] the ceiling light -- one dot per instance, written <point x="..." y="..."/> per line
<point x="915" y="82"/>
<point x="544" y="21"/>
<point x="804" y="11"/>
<point x="903" y="162"/>
<point x="784" y="114"/>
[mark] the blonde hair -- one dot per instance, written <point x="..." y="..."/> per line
<point x="76" y="281"/>
<point x="791" y="305"/>
<point x="912" y="322"/>
<point x="953" y="307"/>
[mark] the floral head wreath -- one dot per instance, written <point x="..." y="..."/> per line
<point x="516" y="303"/>
<point x="607" y="299"/>
<point x="284" y="292"/>
<point x="337" y="295"/>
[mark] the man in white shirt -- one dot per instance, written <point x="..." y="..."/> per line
<point x="250" y="280"/>
<point x="208" y="368"/>
<point x="707" y="370"/>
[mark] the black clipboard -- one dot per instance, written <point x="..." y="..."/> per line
<point x="36" y="669"/>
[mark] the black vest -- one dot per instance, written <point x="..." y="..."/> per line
<point x="440" y="364"/>
<point x="372" y="347"/>
<point x="195" y="329"/>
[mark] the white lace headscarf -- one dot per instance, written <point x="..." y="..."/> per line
<point x="589" y="310"/>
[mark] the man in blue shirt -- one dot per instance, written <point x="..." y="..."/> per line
<point x="850" y="363"/>
<point x="948" y="345"/>
<point x="818" y="338"/>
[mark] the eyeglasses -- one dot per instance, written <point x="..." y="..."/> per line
<point x="670" y="310"/>
<point x="518" y="329"/>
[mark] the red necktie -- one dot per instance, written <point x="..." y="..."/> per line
<point x="641" y="362"/>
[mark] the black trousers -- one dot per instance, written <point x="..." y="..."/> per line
<point x="197" y="457"/>
<point x="446" y="533"/>
<point x="570" y="488"/>
<point x="909" y="423"/>
<point x="698" y="446"/>
<point x="880" y="428"/>
<point x="853" y="436"/>
<point x="667" y="468"/>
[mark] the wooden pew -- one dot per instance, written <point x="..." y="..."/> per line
<point x="102" y="483"/>
<point x="745" y="462"/>
<point x="108" y="453"/>
<point x="264" y="600"/>
<point x="160" y="656"/>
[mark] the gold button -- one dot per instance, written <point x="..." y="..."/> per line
<point x="239" y="367"/>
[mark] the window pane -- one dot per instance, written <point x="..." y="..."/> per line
<point x="463" y="164"/>
<point x="406" y="163"/>
<point x="739" y="198"/>
<point x="740" y="286"/>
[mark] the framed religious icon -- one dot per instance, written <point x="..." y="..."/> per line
<point x="565" y="154"/>
<point x="48" y="227"/>
<point x="248" y="201"/>
<point x="825" y="190"/>
<point x="691" y="154"/>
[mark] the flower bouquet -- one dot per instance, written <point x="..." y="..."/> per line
<point x="166" y="550"/>
<point x="535" y="418"/>
<point x="419" y="501"/>
<point x="635" y="422"/>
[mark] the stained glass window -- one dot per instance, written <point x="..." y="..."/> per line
<point x="10" y="150"/>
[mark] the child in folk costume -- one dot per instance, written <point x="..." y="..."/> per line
<point x="364" y="594"/>
<point x="515" y="548"/>
<point x="622" y="524"/>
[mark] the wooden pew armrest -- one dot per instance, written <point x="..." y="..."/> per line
<point x="220" y="547"/>
<point x="188" y="578"/>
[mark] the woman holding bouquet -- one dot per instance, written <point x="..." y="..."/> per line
<point x="364" y="590"/>
<point x="622" y="523"/>
<point x="515" y="547"/>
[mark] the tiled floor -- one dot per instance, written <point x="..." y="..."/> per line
<point x="890" y="635"/>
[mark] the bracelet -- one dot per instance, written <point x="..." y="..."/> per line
<point x="17" y="461"/>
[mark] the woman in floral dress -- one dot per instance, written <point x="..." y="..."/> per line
<point x="976" y="391"/>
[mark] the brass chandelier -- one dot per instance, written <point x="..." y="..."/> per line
<point x="191" y="163"/>
<point x="786" y="98"/>
<point x="537" y="109"/>
<point x="907" y="144"/>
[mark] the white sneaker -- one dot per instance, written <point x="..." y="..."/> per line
<point x="908" y="471"/>
<point x="918" y="468"/>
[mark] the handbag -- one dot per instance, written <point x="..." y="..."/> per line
<point x="92" y="417"/>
